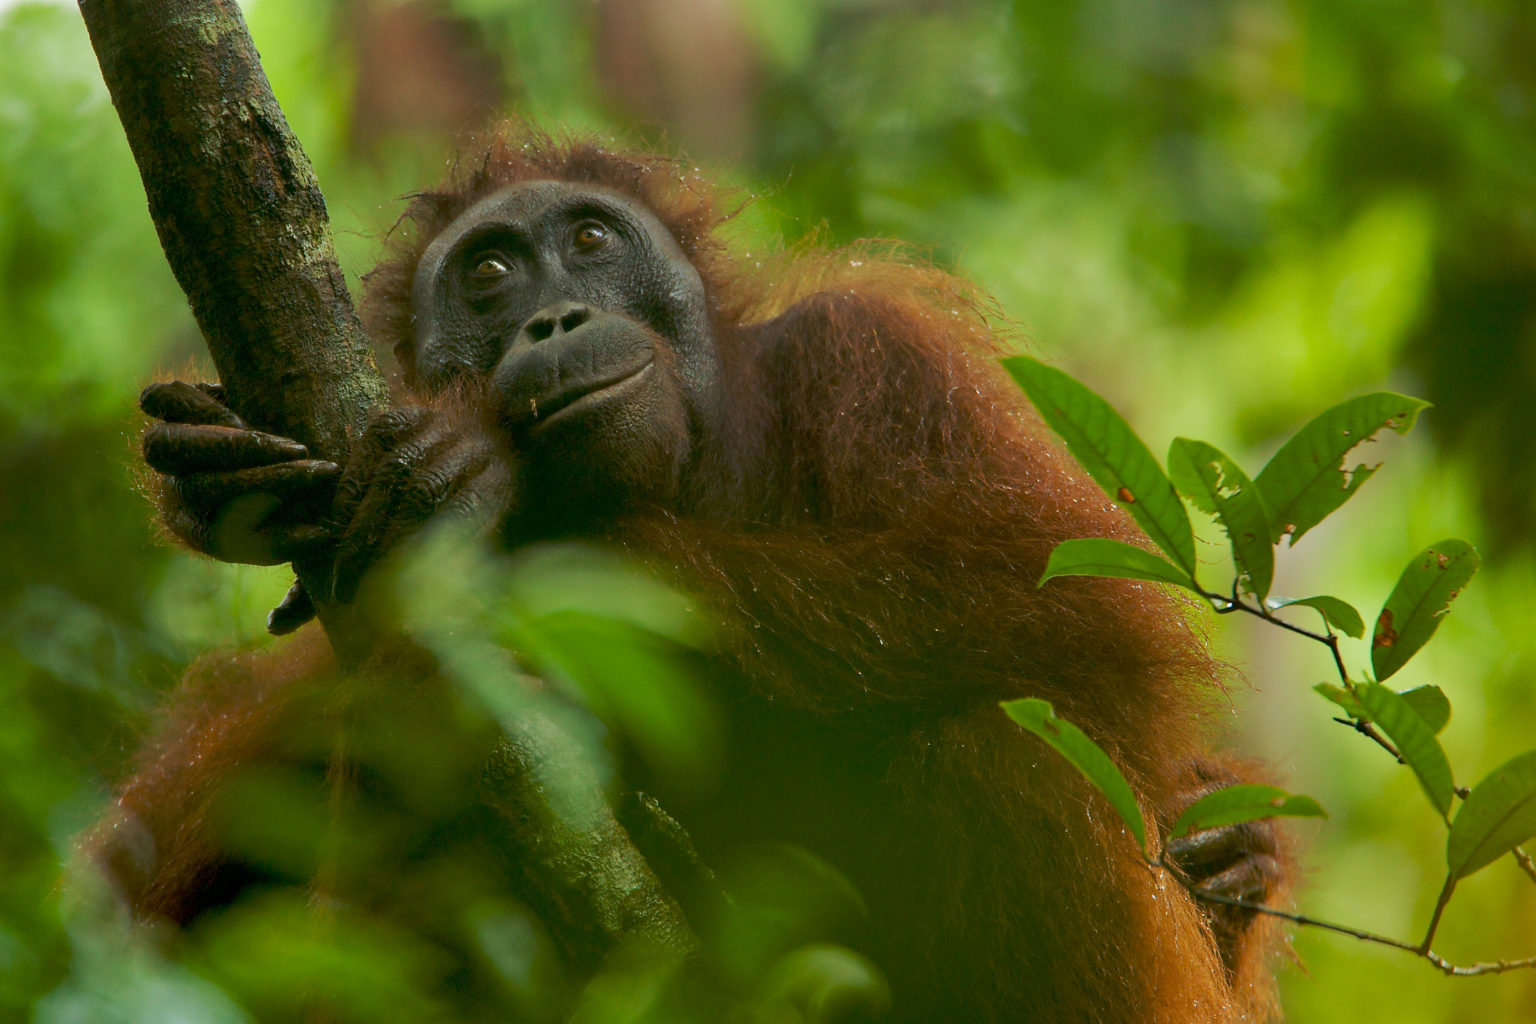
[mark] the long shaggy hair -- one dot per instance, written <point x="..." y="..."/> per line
<point x="869" y="527"/>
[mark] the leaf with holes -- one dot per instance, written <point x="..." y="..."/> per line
<point x="1216" y="485"/>
<point x="1341" y="615"/>
<point x="1497" y="816"/>
<point x="1414" y="740"/>
<point x="1418" y="602"/>
<point x="1306" y="480"/>
<point x="1101" y="556"/>
<point x="1236" y="804"/>
<point x="1112" y="453"/>
<point x="1086" y="756"/>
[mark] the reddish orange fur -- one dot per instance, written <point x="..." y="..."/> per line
<point x="870" y="534"/>
<point x="230" y="711"/>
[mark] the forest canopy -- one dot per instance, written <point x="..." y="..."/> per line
<point x="1225" y="217"/>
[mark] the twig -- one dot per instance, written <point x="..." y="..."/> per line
<point x="1524" y="860"/>
<point x="1439" y="962"/>
<point x="1225" y="605"/>
<point x="1368" y="730"/>
<point x="1473" y="970"/>
<point x="1434" y="919"/>
<point x="1294" y="918"/>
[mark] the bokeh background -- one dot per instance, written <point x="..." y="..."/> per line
<point x="1225" y="215"/>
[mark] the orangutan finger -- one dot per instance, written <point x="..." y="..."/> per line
<point x="303" y="489"/>
<point x="1249" y="880"/>
<point x="295" y="609"/>
<point x="176" y="401"/>
<point x="406" y="495"/>
<point x="297" y="541"/>
<point x="1209" y="851"/>
<point x="379" y="445"/>
<point x="180" y="449"/>
<point x="195" y="531"/>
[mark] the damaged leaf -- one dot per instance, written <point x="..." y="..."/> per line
<point x="1418" y="602"/>
<point x="1307" y="479"/>
<point x="1216" y="485"/>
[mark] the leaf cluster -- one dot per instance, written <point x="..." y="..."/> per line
<point x="1310" y="477"/>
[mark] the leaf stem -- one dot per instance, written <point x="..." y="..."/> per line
<point x="1434" y="921"/>
<point x="1368" y="730"/>
<point x="1301" y="919"/>
<point x="1524" y="860"/>
<point x="1439" y="962"/>
<point x="1226" y="605"/>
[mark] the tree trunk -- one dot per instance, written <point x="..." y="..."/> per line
<point x="244" y="226"/>
<point x="240" y="216"/>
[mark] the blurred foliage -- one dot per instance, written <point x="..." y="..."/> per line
<point x="1225" y="216"/>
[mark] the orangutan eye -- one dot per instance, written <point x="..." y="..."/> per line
<point x="490" y="264"/>
<point x="589" y="236"/>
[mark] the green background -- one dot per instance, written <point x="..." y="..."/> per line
<point x="1224" y="216"/>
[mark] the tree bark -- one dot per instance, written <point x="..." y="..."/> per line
<point x="240" y="216"/>
<point x="244" y="226"/>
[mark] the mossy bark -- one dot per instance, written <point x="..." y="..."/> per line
<point x="240" y="216"/>
<point x="243" y="223"/>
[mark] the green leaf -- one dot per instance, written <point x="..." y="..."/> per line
<point x="1245" y="802"/>
<point x="1112" y="453"/>
<point x="1086" y="756"/>
<point x="1343" y="698"/>
<point x="1306" y="480"/>
<point x="1431" y="705"/>
<point x="1414" y="740"/>
<point x="1428" y="702"/>
<point x="1101" y="556"/>
<point x="1420" y="599"/>
<point x="1341" y="615"/>
<point x="1498" y="815"/>
<point x="1216" y="485"/>
<point x="828" y="982"/>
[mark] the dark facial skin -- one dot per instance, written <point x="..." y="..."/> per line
<point x="592" y="326"/>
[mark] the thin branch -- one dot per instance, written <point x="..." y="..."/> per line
<point x="1473" y="970"/>
<point x="1294" y="918"/>
<point x="1368" y="730"/>
<point x="1226" y="605"/>
<point x="1524" y="860"/>
<point x="1439" y="962"/>
<point x="1434" y="920"/>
